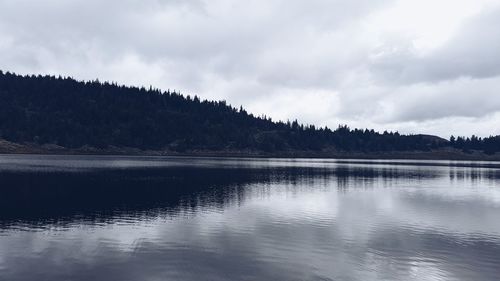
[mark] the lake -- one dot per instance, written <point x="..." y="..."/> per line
<point x="181" y="218"/>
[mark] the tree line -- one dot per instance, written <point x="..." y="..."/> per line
<point x="70" y="113"/>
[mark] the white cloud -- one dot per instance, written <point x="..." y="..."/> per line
<point x="388" y="64"/>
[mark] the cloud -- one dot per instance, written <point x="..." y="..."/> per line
<point x="470" y="53"/>
<point x="381" y="63"/>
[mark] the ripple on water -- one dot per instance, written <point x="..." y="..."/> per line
<point x="213" y="219"/>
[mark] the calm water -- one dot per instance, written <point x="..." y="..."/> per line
<point x="153" y="218"/>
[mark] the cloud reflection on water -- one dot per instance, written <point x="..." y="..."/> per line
<point x="261" y="221"/>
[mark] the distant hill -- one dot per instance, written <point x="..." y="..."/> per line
<point x="47" y="111"/>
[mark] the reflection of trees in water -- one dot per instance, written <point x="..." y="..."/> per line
<point x="473" y="174"/>
<point x="103" y="195"/>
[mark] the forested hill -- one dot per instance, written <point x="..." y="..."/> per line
<point x="72" y="114"/>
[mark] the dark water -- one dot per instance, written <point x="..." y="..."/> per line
<point x="150" y="218"/>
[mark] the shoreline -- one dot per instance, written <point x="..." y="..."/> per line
<point x="435" y="155"/>
<point x="10" y="148"/>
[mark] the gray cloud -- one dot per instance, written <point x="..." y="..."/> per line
<point x="320" y="61"/>
<point x="472" y="52"/>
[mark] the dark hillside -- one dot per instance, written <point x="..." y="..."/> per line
<point x="72" y="114"/>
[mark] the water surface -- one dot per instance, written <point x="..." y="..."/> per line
<point x="173" y="218"/>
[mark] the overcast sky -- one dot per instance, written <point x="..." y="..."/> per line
<point x="416" y="66"/>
